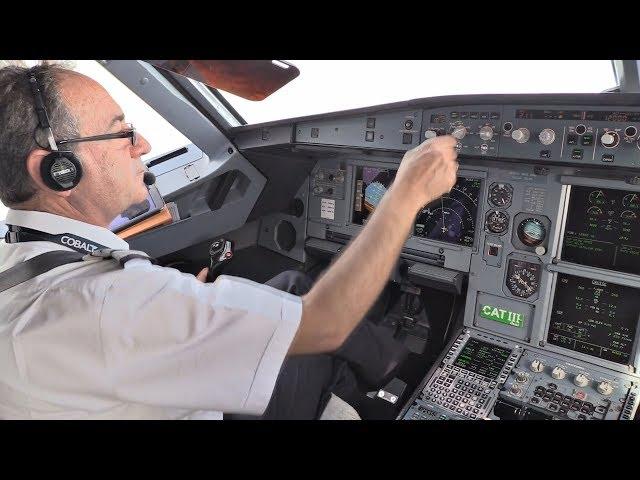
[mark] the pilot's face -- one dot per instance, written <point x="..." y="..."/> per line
<point x="113" y="171"/>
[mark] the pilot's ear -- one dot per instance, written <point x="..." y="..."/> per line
<point x="34" y="161"/>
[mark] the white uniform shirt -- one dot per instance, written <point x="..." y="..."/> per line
<point x="94" y="340"/>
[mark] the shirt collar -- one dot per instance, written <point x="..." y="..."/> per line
<point x="56" y="225"/>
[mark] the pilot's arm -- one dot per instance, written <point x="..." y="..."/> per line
<point x="342" y="296"/>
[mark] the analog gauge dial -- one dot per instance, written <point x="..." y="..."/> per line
<point x="531" y="232"/>
<point x="631" y="201"/>
<point x="523" y="278"/>
<point x="497" y="222"/>
<point x="500" y="195"/>
<point x="597" y="197"/>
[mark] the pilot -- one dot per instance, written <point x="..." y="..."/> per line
<point x="101" y="338"/>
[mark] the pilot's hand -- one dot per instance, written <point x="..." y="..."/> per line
<point x="428" y="171"/>
<point x="202" y="276"/>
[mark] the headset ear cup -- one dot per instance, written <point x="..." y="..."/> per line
<point x="61" y="170"/>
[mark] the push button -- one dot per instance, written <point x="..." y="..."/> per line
<point x="576" y="154"/>
<point x="607" y="158"/>
<point x="572" y="139"/>
<point x="587" y="139"/>
<point x="371" y="123"/>
<point x="369" y="136"/>
<point x="407" y="138"/>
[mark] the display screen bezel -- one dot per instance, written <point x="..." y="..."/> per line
<point x="588" y="183"/>
<point x="470" y="174"/>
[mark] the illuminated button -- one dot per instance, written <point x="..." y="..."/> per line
<point x="576" y="154"/>
<point x="587" y="140"/>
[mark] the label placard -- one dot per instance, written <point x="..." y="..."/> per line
<point x="328" y="208"/>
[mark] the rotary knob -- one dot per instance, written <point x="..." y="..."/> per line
<point x="486" y="133"/>
<point x="547" y="136"/>
<point x="430" y="134"/>
<point x="610" y="139"/>
<point x="558" y="373"/>
<point x="521" y="135"/>
<point x="581" y="380"/>
<point x="605" y="388"/>
<point x="536" y="366"/>
<point x="459" y="132"/>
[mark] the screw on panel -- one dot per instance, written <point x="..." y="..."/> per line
<point x="144" y="81"/>
<point x="541" y="343"/>
<point x="230" y="150"/>
<point x="441" y="250"/>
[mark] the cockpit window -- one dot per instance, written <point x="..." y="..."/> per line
<point x="162" y="136"/>
<point x="332" y="85"/>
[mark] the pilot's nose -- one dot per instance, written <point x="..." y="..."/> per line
<point x="142" y="146"/>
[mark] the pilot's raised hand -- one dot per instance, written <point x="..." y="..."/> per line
<point x="428" y="171"/>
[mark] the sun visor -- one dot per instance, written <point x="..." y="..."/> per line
<point x="249" y="79"/>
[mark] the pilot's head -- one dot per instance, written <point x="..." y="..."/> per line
<point x="77" y="107"/>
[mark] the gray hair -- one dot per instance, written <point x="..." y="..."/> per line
<point x="19" y="132"/>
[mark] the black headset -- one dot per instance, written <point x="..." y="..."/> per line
<point x="61" y="170"/>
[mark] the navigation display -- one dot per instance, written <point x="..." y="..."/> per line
<point x="594" y="317"/>
<point x="451" y="218"/>
<point x="482" y="358"/>
<point x="603" y="229"/>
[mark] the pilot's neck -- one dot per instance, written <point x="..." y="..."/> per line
<point x="81" y="211"/>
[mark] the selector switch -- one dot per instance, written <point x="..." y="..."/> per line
<point x="558" y="373"/>
<point x="430" y="134"/>
<point x="536" y="366"/>
<point x="459" y="132"/>
<point x="521" y="377"/>
<point x="486" y="133"/>
<point x="610" y="139"/>
<point x="547" y="136"/>
<point x="605" y="388"/>
<point x="521" y="135"/>
<point x="581" y="380"/>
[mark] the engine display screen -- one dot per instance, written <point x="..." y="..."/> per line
<point x="594" y="317"/>
<point x="451" y="218"/>
<point x="603" y="229"/>
<point x="482" y="358"/>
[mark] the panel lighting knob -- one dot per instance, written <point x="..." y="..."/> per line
<point x="581" y="380"/>
<point x="536" y="366"/>
<point x="521" y="135"/>
<point x="459" y="132"/>
<point x="610" y="139"/>
<point x="547" y="136"/>
<point x="558" y="373"/>
<point x="486" y="133"/>
<point x="521" y="377"/>
<point x="605" y="388"/>
<point x="430" y="134"/>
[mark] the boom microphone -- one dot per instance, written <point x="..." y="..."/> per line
<point x="149" y="178"/>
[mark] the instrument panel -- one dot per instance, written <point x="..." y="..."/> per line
<point x="544" y="223"/>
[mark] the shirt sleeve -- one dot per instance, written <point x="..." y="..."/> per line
<point x="171" y="340"/>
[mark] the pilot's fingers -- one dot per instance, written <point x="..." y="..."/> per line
<point x="202" y="276"/>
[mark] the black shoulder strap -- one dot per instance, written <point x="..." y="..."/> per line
<point x="36" y="266"/>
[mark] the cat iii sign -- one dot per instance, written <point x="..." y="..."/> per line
<point x="502" y="315"/>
